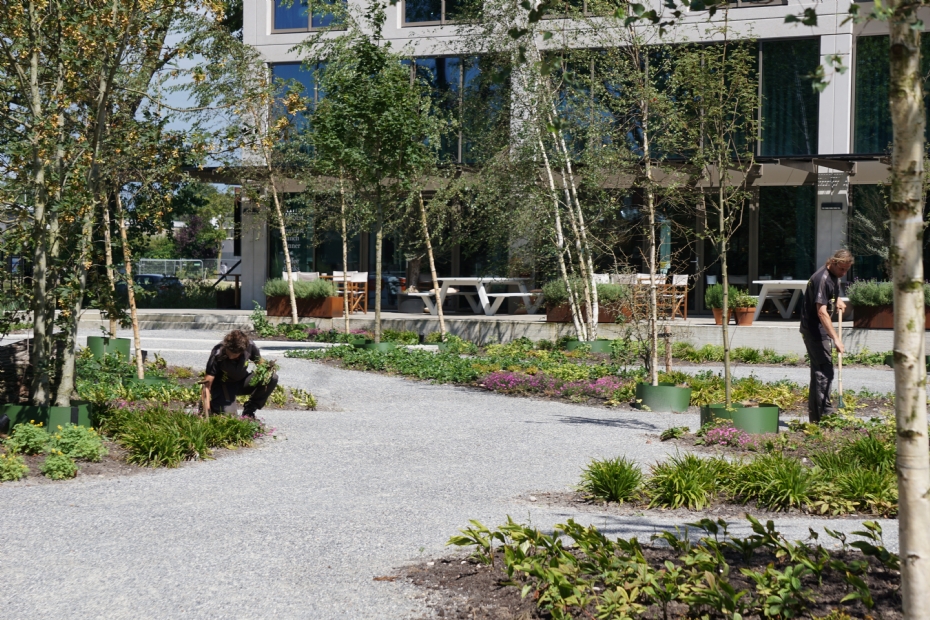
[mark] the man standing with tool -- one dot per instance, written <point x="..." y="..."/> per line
<point x="821" y="298"/>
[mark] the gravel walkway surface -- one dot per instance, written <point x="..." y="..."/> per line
<point x="382" y="475"/>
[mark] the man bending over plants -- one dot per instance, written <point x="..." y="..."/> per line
<point x="228" y="376"/>
<point x="821" y="298"/>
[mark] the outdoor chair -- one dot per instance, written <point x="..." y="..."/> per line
<point x="623" y="278"/>
<point x="601" y="278"/>
<point x="677" y="293"/>
<point x="357" y="291"/>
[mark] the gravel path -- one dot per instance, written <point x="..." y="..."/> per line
<point x="299" y="527"/>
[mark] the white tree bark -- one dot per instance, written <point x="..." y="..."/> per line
<point x="127" y="258"/>
<point x="279" y="212"/>
<point x="907" y="234"/>
<point x="345" y="253"/>
<point x="432" y="268"/>
<point x="108" y="254"/>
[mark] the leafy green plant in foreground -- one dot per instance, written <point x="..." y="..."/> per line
<point x="614" y="480"/>
<point x="579" y="572"/>
<point x="79" y="442"/>
<point x="58" y="466"/>
<point x="12" y="467"/>
<point x="30" y="438"/>
<point x="686" y="481"/>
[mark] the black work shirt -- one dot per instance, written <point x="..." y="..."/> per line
<point x="822" y="288"/>
<point x="227" y="370"/>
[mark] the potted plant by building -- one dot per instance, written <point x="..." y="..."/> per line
<point x="613" y="303"/>
<point x="743" y="307"/>
<point x="872" y="304"/>
<point x="314" y="299"/>
<point x="754" y="418"/>
<point x="713" y="299"/>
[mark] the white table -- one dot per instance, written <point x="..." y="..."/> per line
<point x="770" y="286"/>
<point x="484" y="302"/>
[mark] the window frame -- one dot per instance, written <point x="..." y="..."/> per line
<point x="309" y="28"/>
<point x="442" y="21"/>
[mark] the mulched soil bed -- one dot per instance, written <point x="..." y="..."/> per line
<point x="466" y="589"/>
<point x="577" y="501"/>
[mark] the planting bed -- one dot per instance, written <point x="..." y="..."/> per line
<point x="531" y="575"/>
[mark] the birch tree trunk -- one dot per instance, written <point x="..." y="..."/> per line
<point x="721" y="231"/>
<point x="287" y="254"/>
<point x="379" y="238"/>
<point x="651" y="210"/>
<point x="127" y="259"/>
<point x="907" y="234"/>
<point x="345" y="254"/>
<point x="65" y="388"/>
<point x="108" y="256"/>
<point x="432" y="268"/>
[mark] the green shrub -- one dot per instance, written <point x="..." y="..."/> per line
<point x="58" y="466"/>
<point x="12" y="467"/>
<point x="318" y="289"/>
<point x="556" y="294"/>
<point x="877" y="293"/>
<point x="713" y="296"/>
<point x="79" y="442"/>
<point x="865" y="485"/>
<point x="743" y="300"/>
<point x="614" y="480"/>
<point x="454" y="344"/>
<point x="686" y="481"/>
<point x="29" y="438"/>
<point x="400" y="337"/>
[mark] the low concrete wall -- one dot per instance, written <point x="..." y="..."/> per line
<point x="781" y="338"/>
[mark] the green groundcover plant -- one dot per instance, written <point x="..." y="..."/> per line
<point x="58" y="466"/>
<point x="31" y="438"/>
<point x="12" y="467"/>
<point x="318" y="289"/>
<point x="701" y="571"/>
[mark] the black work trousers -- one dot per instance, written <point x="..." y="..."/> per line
<point x="820" y="353"/>
<point x="223" y="395"/>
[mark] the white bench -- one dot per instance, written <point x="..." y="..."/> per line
<point x="531" y="307"/>
<point x="427" y="297"/>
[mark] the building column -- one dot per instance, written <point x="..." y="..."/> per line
<point x="254" y="266"/>
<point x="834" y="138"/>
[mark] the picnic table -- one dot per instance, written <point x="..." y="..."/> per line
<point x="776" y="290"/>
<point x="483" y="303"/>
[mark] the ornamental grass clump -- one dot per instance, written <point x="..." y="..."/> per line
<point x="58" y="466"/>
<point x="687" y="481"/>
<point x="30" y="438"/>
<point x="12" y="467"/>
<point x="614" y="480"/>
<point x="777" y="482"/>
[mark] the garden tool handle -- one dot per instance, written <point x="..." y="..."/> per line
<point x="839" y="354"/>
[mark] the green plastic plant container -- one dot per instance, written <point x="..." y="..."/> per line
<point x="381" y="346"/>
<point x="79" y="414"/>
<point x="151" y="380"/>
<point x="753" y="420"/>
<point x="889" y="361"/>
<point x="359" y="342"/>
<point x="597" y="346"/>
<point x="663" y="397"/>
<point x="103" y="345"/>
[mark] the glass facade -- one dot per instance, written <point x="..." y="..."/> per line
<point x="873" y="75"/>
<point x="300" y="15"/>
<point x="787" y="232"/>
<point x="430" y="11"/>
<point x="790" y="105"/>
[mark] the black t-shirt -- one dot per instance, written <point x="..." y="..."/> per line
<point x="822" y="288"/>
<point x="227" y="370"/>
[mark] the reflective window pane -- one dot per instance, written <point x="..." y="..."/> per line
<point x="790" y="105"/>
<point x="422" y="11"/>
<point x="289" y="14"/>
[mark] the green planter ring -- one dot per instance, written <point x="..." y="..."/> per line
<point x="597" y="346"/>
<point x="663" y="397"/>
<point x="381" y="346"/>
<point x="889" y="361"/>
<point x="104" y="345"/>
<point x="360" y="342"/>
<point x="753" y="420"/>
<point x="79" y="414"/>
<point x="151" y="380"/>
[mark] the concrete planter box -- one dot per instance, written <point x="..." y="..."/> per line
<point x="880" y="317"/>
<point x="325" y="308"/>
<point x="410" y="304"/>
<point x="563" y="314"/>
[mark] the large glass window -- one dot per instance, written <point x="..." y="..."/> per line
<point x="302" y="15"/>
<point x="465" y="89"/>
<point x="787" y="232"/>
<point x="427" y="12"/>
<point x="286" y="74"/>
<point x="873" y="75"/>
<point x="790" y="105"/>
